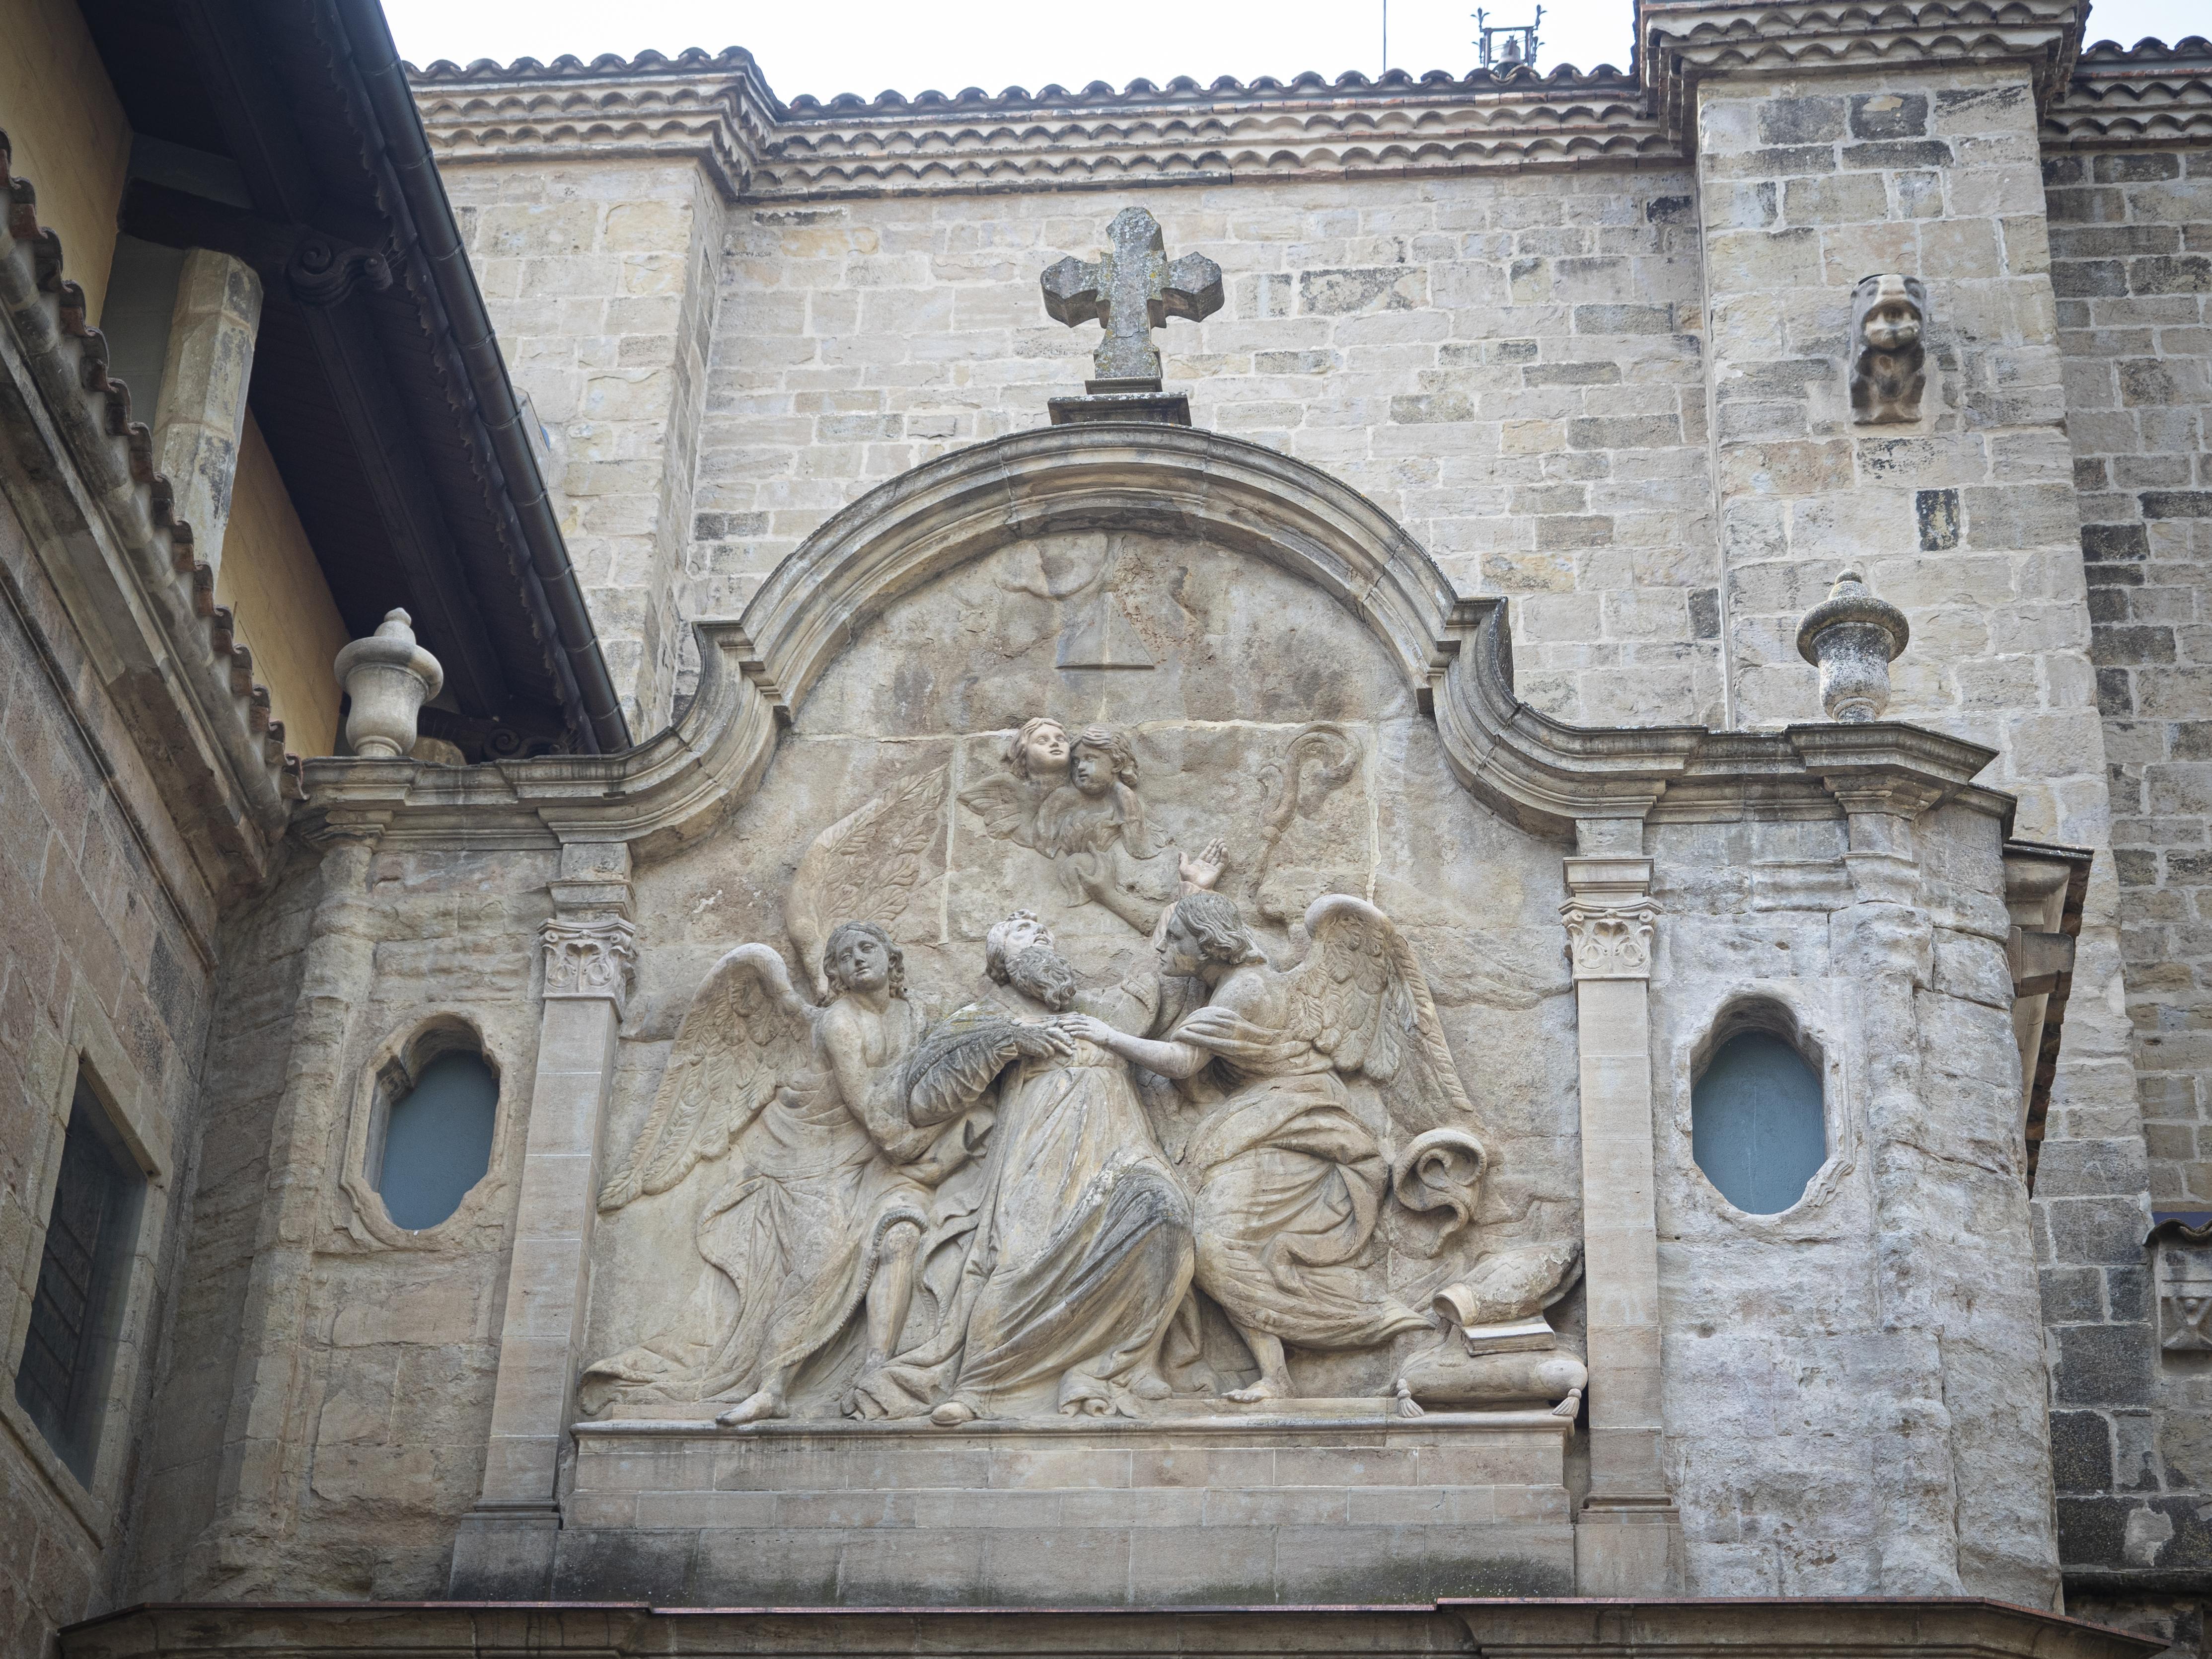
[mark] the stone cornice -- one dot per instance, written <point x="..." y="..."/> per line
<point x="719" y="112"/>
<point x="2147" y="94"/>
<point x="1684" y="41"/>
<point x="1453" y="654"/>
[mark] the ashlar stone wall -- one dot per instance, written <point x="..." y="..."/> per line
<point x="1510" y="364"/>
<point x="600" y="283"/>
<point x="325" y="1433"/>
<point x="2131" y="244"/>
<point x="100" y="972"/>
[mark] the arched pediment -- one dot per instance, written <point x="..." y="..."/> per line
<point x="1453" y="655"/>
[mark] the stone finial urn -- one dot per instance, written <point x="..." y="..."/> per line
<point x="388" y="678"/>
<point x="1853" y="637"/>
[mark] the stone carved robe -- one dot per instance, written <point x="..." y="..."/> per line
<point x="796" y="1225"/>
<point x="1082" y="1251"/>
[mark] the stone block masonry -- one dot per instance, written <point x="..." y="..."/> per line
<point x="600" y="282"/>
<point x="1510" y="364"/>
<point x="2131" y="265"/>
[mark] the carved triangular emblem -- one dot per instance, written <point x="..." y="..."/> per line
<point x="1102" y="637"/>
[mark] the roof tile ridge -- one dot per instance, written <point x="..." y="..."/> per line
<point x="1099" y="95"/>
<point x="106" y="405"/>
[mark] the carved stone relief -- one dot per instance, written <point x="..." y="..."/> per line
<point x="1123" y="1069"/>
<point x="2185" y="1299"/>
<point x="1889" y="355"/>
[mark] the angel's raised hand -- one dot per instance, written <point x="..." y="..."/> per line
<point x="1206" y="869"/>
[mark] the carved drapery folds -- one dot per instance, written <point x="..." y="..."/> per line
<point x="594" y="957"/>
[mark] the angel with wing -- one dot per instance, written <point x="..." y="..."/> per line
<point x="826" y="1207"/>
<point x="1289" y="1183"/>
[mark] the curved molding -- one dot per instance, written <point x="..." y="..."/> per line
<point x="1453" y="654"/>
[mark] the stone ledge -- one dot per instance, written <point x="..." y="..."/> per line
<point x="1560" y="1628"/>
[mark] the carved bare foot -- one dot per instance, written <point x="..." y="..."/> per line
<point x="952" y="1414"/>
<point x="753" y="1408"/>
<point x="1265" y="1389"/>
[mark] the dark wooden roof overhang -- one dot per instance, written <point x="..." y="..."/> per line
<point x="377" y="381"/>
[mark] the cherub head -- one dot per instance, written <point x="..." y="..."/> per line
<point x="1202" y="929"/>
<point x="1038" y="751"/>
<point x="1100" y="759"/>
<point x="861" y="956"/>
<point x="1007" y="939"/>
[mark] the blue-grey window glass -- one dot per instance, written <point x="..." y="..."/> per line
<point x="1756" y="1128"/>
<point x="437" y="1139"/>
<point x="62" y="1375"/>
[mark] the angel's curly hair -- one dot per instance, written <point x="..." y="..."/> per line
<point x="845" y="930"/>
<point x="1217" y="928"/>
<point x="1112" y="744"/>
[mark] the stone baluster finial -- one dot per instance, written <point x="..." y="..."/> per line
<point x="388" y="678"/>
<point x="1853" y="637"/>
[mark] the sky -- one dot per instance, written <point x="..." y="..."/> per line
<point x="868" y="46"/>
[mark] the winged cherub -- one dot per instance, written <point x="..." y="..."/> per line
<point x="825" y="1208"/>
<point x="1289" y="1183"/>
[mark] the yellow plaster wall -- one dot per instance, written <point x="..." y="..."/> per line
<point x="68" y="133"/>
<point x="284" y="613"/>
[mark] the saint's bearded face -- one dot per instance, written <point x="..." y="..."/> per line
<point x="1045" y="977"/>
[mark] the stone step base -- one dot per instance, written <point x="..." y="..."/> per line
<point x="1078" y="1513"/>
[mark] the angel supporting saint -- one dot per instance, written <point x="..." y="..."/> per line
<point x="829" y="1201"/>
<point x="1289" y="1183"/>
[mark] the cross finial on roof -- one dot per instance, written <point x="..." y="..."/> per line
<point x="1131" y="289"/>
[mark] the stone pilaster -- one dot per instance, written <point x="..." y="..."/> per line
<point x="504" y="1545"/>
<point x="1628" y="1536"/>
<point x="255" y="1495"/>
<point x="1955" y="1423"/>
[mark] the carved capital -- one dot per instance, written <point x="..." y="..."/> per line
<point x="1610" y="919"/>
<point x="595" y="958"/>
<point x="1610" y="941"/>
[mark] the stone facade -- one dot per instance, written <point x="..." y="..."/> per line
<point x="1397" y="721"/>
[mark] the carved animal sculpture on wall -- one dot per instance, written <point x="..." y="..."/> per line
<point x="1889" y="355"/>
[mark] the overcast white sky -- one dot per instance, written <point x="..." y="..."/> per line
<point x="829" y="46"/>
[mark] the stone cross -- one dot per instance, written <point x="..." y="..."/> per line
<point x="1132" y="290"/>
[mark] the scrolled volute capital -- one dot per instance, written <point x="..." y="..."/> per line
<point x="589" y="958"/>
<point x="1610" y="940"/>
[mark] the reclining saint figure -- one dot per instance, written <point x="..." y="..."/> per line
<point x="1081" y="1253"/>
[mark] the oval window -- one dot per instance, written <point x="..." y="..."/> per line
<point x="1756" y="1126"/>
<point x="437" y="1139"/>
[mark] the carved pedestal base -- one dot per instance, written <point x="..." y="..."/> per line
<point x="1358" y="1505"/>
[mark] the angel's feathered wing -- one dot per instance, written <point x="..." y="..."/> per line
<point x="1360" y="997"/>
<point x="864" y="867"/>
<point x="747" y="1033"/>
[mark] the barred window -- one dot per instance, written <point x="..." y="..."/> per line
<point x="68" y="1355"/>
